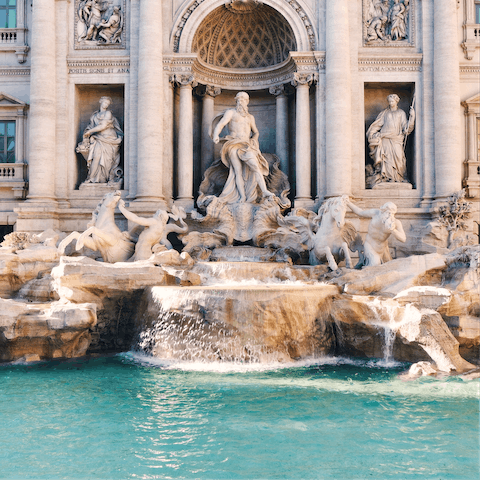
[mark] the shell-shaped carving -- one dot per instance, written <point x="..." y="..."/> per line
<point x="254" y="39"/>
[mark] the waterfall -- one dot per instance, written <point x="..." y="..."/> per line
<point x="237" y="323"/>
<point x="189" y="327"/>
<point x="390" y="316"/>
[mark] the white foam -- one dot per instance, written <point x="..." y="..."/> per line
<point x="251" y="374"/>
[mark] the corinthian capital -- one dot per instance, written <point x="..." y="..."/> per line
<point x="278" y="90"/>
<point x="302" y="79"/>
<point x="212" y="91"/>
<point x="185" y="80"/>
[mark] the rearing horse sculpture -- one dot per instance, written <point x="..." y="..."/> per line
<point x="328" y="235"/>
<point x="102" y="234"/>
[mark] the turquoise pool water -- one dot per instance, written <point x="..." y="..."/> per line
<point x="128" y="417"/>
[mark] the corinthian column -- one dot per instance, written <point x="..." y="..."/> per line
<point x="303" y="163"/>
<point x="338" y="100"/>
<point x="208" y="108"/>
<point x="281" y="134"/>
<point x="185" y="142"/>
<point x="446" y="92"/>
<point x="150" y="105"/>
<point x="42" y="104"/>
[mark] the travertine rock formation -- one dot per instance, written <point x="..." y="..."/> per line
<point x="44" y="331"/>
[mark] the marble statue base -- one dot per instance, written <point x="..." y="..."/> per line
<point x="392" y="186"/>
<point x="100" y="189"/>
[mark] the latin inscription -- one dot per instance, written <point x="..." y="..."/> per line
<point x="76" y="71"/>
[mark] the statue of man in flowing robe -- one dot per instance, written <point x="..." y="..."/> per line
<point x="241" y="154"/>
<point x="386" y="140"/>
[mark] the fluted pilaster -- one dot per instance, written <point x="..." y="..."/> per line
<point x="338" y="99"/>
<point x="185" y="141"/>
<point x="281" y="136"/>
<point x="150" y="104"/>
<point x="446" y="91"/>
<point x="42" y="116"/>
<point x="303" y="161"/>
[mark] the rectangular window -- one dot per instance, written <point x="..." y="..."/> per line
<point x="8" y="13"/>
<point x="7" y="142"/>
<point x="477" y="11"/>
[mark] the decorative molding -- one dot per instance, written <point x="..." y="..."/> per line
<point x="473" y="71"/>
<point x="386" y="41"/>
<point x="196" y="3"/>
<point x="119" y="38"/>
<point x="411" y="63"/>
<point x="306" y="22"/>
<point x="7" y="71"/>
<point x="244" y="79"/>
<point x="99" y="66"/>
<point x="308" y="61"/>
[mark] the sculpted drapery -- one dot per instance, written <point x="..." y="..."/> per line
<point x="101" y="145"/>
<point x="386" y="140"/>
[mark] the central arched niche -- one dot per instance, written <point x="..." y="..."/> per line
<point x="256" y="38"/>
<point x="244" y="50"/>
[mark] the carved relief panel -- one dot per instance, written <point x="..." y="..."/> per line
<point x="388" y="23"/>
<point x="99" y="24"/>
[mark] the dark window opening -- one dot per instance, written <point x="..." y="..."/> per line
<point x="5" y="230"/>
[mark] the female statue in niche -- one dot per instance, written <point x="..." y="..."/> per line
<point x="386" y="139"/>
<point x="101" y="145"/>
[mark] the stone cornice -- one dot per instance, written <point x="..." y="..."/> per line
<point x="246" y="79"/>
<point x="15" y="71"/>
<point x="98" y="62"/>
<point x="399" y="63"/>
<point x="467" y="70"/>
<point x="310" y="62"/>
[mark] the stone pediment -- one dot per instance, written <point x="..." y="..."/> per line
<point x="8" y="100"/>
<point x="472" y="104"/>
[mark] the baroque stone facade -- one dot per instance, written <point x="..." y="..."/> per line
<point x="317" y="71"/>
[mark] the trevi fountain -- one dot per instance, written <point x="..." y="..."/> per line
<point x="239" y="254"/>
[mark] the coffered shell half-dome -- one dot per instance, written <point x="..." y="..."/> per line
<point x="258" y="38"/>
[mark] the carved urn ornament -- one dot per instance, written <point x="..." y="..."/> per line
<point x="242" y="6"/>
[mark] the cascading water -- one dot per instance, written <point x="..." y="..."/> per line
<point x="395" y="315"/>
<point x="262" y="320"/>
<point x="183" y="330"/>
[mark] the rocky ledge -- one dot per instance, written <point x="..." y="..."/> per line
<point x="419" y="308"/>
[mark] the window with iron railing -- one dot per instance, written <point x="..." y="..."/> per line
<point x="7" y="142"/>
<point x="8" y="13"/>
